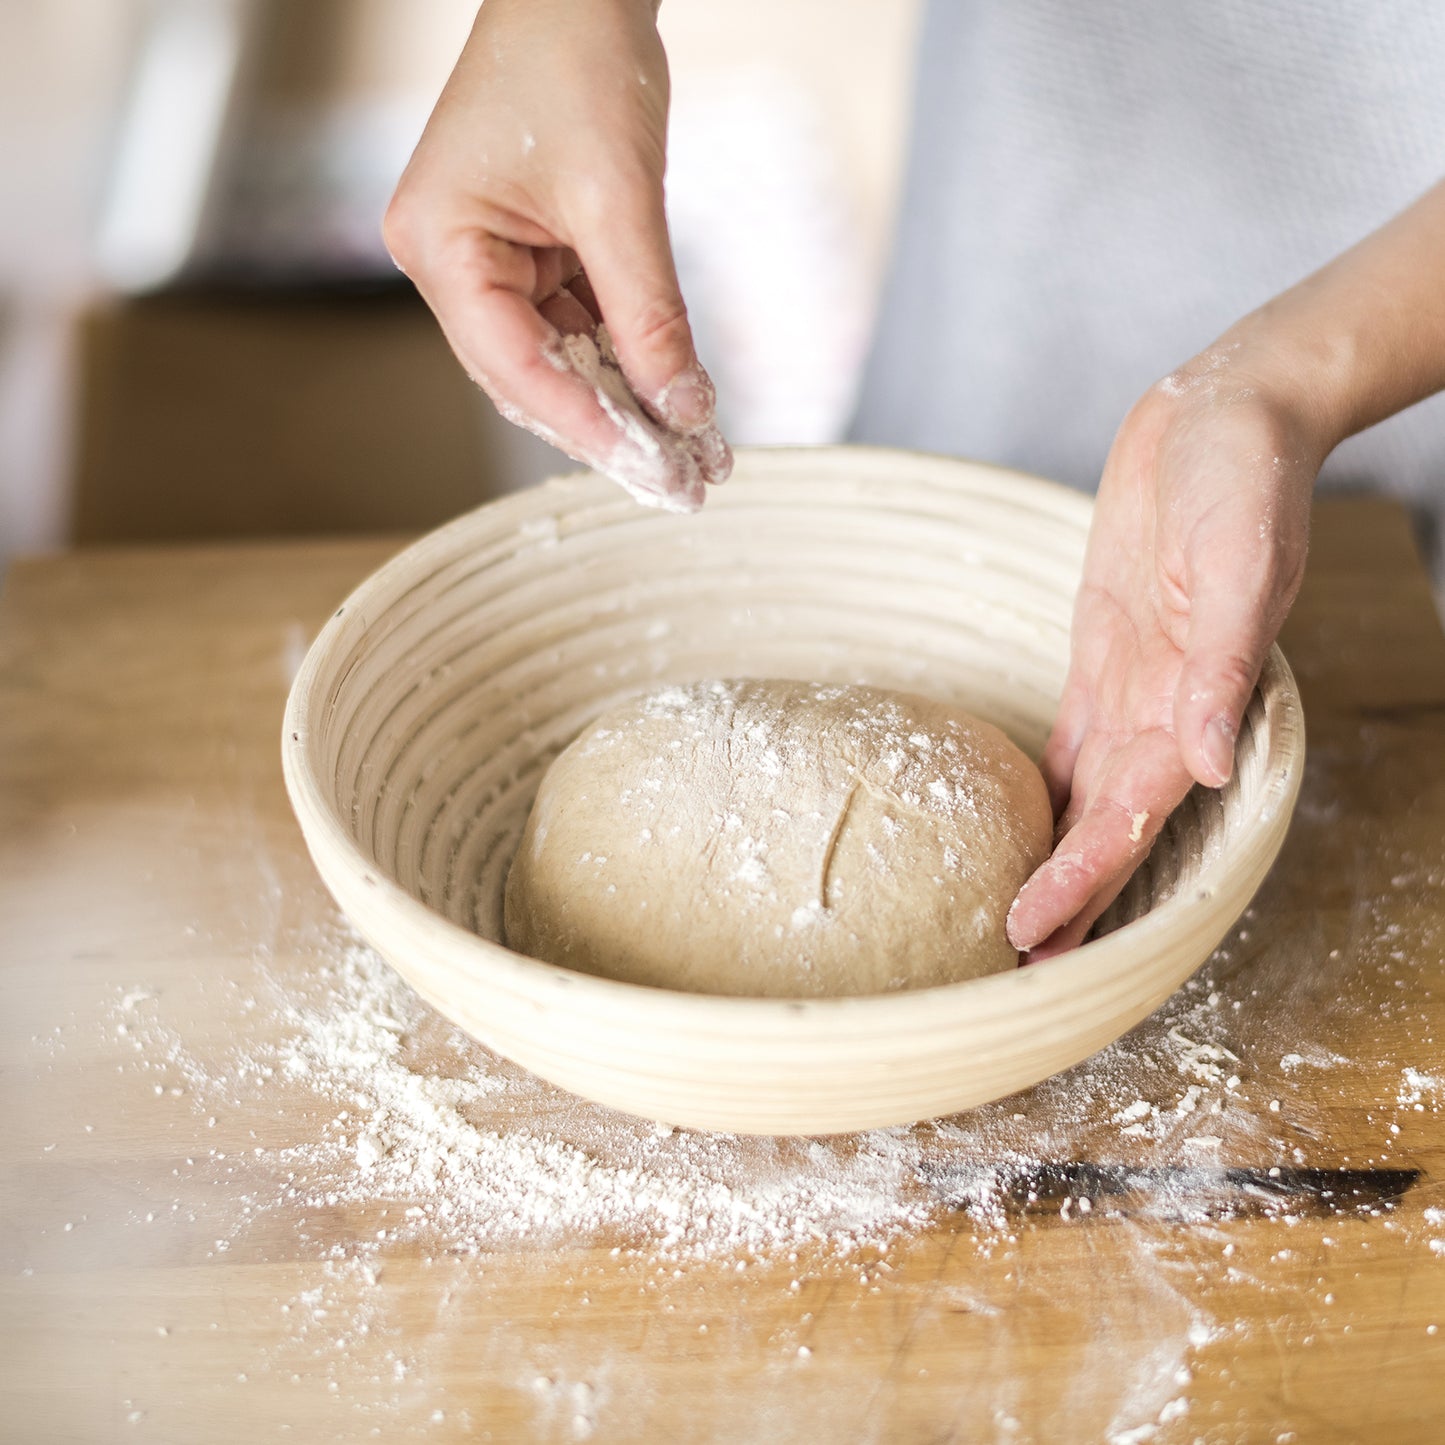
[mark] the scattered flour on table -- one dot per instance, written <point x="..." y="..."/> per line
<point x="1416" y="1087"/>
<point x="479" y="1152"/>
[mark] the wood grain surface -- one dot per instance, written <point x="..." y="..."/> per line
<point x="182" y="1262"/>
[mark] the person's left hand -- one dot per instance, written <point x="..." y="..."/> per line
<point x="1194" y="557"/>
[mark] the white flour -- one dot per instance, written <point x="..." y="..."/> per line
<point x="648" y="453"/>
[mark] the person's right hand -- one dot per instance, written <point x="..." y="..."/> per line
<point x="532" y="212"/>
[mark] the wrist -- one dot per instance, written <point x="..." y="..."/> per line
<point x="1309" y="370"/>
<point x="1267" y="363"/>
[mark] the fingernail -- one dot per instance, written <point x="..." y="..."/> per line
<point x="1219" y="737"/>
<point x="688" y="401"/>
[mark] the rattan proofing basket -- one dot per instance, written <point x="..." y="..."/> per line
<point x="430" y="705"/>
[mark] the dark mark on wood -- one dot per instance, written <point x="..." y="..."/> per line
<point x="1174" y="1192"/>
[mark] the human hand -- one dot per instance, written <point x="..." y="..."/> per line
<point x="1197" y="548"/>
<point x="532" y="212"/>
<point x="1195" y="554"/>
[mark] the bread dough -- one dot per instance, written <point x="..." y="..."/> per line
<point x="780" y="839"/>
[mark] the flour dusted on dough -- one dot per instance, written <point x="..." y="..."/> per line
<point x="780" y="839"/>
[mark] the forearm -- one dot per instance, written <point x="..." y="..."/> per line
<point x="1360" y="339"/>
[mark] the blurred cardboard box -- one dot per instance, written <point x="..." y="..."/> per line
<point x="204" y="415"/>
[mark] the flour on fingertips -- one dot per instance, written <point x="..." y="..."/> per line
<point x="656" y="466"/>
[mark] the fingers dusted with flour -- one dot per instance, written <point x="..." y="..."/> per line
<point x="531" y="219"/>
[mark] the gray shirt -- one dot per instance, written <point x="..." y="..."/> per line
<point x="1098" y="189"/>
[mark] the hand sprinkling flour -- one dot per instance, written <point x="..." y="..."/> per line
<point x="525" y="238"/>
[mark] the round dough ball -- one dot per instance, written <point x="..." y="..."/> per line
<point x="779" y="839"/>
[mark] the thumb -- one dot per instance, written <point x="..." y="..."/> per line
<point x="1230" y="630"/>
<point x="630" y="268"/>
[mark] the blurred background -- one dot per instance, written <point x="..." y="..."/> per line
<point x="201" y="335"/>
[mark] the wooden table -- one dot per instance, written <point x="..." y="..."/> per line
<point x="1253" y="1251"/>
